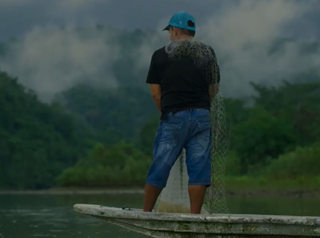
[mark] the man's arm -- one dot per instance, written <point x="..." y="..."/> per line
<point x="155" y="91"/>
<point x="213" y="90"/>
<point x="153" y="80"/>
<point x="214" y="86"/>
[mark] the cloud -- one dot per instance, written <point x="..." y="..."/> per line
<point x="76" y="7"/>
<point x="13" y="2"/>
<point x="75" y="3"/>
<point x="242" y="33"/>
<point x="50" y="60"/>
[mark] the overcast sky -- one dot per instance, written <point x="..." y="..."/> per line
<point x="21" y="16"/>
<point x="49" y="59"/>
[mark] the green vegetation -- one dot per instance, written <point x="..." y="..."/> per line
<point x="279" y="120"/>
<point x="97" y="137"/>
<point x="110" y="114"/>
<point x="93" y="137"/>
<point x="297" y="170"/>
<point x="116" y="165"/>
<point x="37" y="141"/>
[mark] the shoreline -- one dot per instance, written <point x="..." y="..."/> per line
<point x="73" y="191"/>
<point x="294" y="193"/>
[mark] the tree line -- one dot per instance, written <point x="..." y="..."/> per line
<point x="91" y="136"/>
<point x="100" y="137"/>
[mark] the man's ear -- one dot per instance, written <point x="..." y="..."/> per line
<point x="174" y="30"/>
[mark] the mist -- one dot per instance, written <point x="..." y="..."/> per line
<point x="243" y="34"/>
<point x="49" y="59"/>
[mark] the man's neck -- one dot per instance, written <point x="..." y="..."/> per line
<point x="182" y="37"/>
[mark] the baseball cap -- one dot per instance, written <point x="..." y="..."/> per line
<point x="182" y="20"/>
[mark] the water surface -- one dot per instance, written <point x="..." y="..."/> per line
<point x="25" y="215"/>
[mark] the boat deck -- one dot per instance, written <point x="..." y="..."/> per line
<point x="178" y="225"/>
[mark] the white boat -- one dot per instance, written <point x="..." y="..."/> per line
<point x="183" y="225"/>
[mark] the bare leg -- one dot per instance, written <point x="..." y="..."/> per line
<point x="196" y="196"/>
<point x="151" y="195"/>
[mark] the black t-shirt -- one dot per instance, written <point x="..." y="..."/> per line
<point x="183" y="84"/>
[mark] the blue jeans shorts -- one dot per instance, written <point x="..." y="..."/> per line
<point x="189" y="129"/>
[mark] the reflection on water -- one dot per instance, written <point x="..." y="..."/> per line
<point x="52" y="215"/>
<point x="275" y="206"/>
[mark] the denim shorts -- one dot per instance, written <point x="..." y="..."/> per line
<point x="189" y="129"/>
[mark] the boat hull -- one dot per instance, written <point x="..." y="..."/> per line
<point x="178" y="225"/>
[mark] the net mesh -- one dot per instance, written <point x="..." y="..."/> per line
<point x="203" y="56"/>
<point x="215" y="199"/>
<point x="174" y="197"/>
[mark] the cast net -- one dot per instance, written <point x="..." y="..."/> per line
<point x="174" y="197"/>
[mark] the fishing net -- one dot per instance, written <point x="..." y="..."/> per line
<point x="174" y="197"/>
<point x="215" y="199"/>
<point x="203" y="55"/>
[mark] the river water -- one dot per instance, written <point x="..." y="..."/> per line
<point x="41" y="215"/>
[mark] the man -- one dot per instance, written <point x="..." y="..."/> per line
<point x="183" y="78"/>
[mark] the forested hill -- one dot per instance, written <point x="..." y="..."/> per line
<point x="111" y="114"/>
<point x="76" y="140"/>
<point x="97" y="136"/>
<point x="36" y="140"/>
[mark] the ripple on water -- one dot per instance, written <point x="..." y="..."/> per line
<point x="23" y="216"/>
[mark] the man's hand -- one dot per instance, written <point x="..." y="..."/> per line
<point x="155" y="91"/>
<point x="213" y="90"/>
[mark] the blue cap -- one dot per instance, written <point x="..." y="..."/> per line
<point x="182" y="20"/>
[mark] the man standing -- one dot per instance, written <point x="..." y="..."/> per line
<point x="183" y="78"/>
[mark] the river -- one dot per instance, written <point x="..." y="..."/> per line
<point x="43" y="215"/>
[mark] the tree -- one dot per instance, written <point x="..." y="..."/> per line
<point x="37" y="141"/>
<point x="262" y="137"/>
<point x="115" y="165"/>
<point x="111" y="114"/>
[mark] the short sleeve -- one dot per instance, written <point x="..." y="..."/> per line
<point x="153" y="76"/>
<point x="216" y="68"/>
